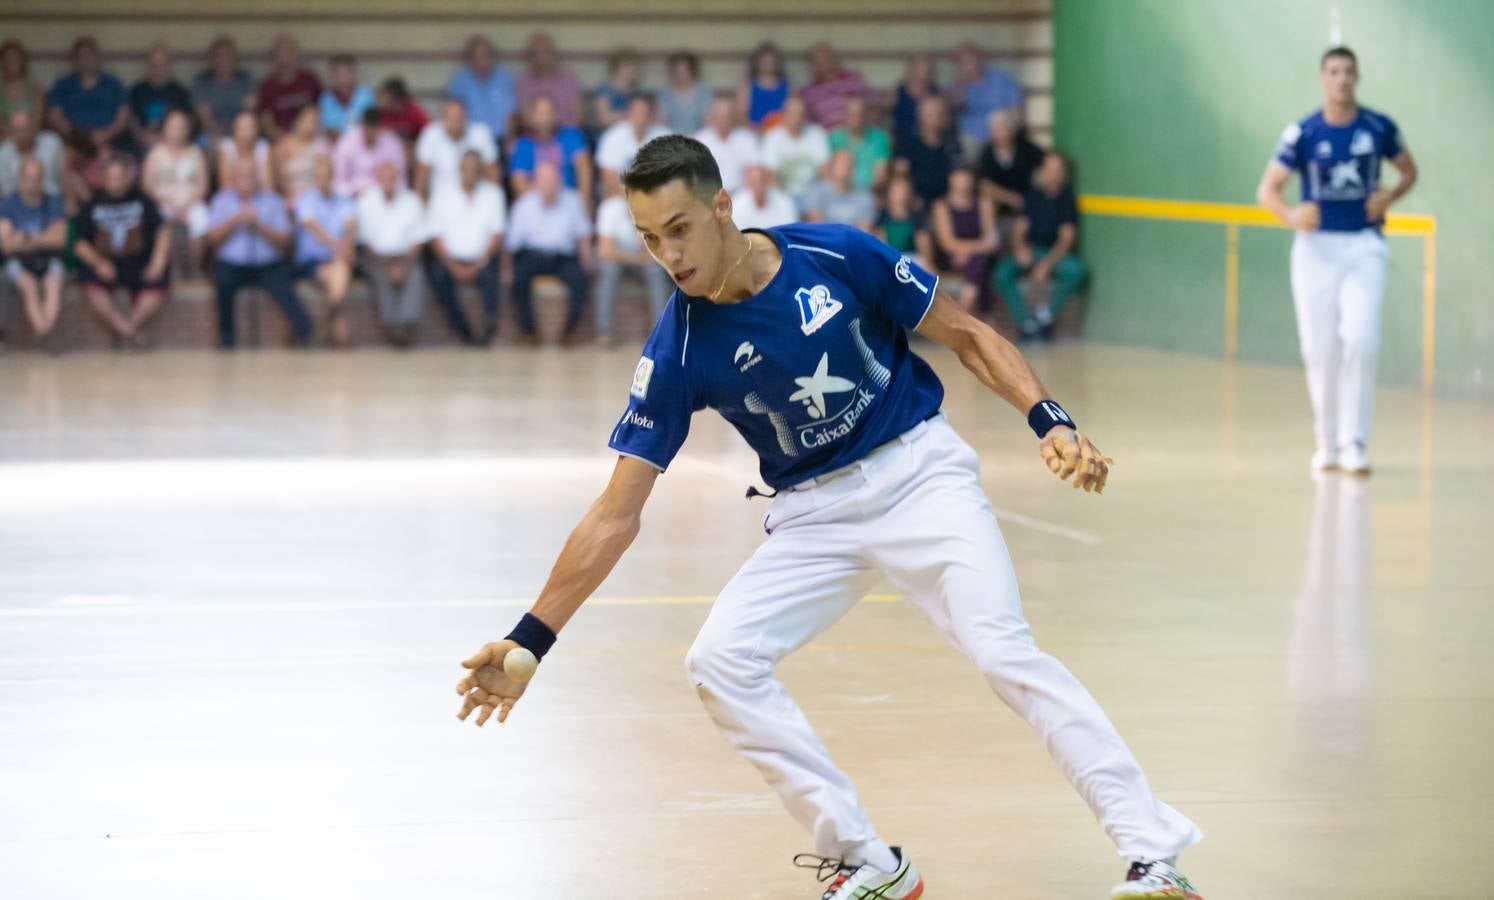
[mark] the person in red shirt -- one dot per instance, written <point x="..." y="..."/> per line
<point x="831" y="87"/>
<point x="288" y="88"/>
<point x="399" y="112"/>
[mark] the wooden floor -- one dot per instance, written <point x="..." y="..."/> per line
<point x="234" y="591"/>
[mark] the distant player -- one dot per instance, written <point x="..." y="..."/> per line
<point x="1339" y="254"/>
<point x="797" y="335"/>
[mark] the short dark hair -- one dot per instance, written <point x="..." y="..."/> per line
<point x="687" y="58"/>
<point x="641" y="97"/>
<point x="344" y="59"/>
<point x="674" y="157"/>
<point x="371" y="117"/>
<point x="1339" y="52"/>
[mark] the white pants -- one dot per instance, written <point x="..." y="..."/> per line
<point x="914" y="510"/>
<point x="1338" y="283"/>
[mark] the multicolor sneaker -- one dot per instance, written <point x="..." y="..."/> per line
<point x="864" y="882"/>
<point x="1153" y="879"/>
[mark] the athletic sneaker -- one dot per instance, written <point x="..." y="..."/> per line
<point x="1352" y="459"/>
<point x="1324" y="460"/>
<point x="1153" y="879"/>
<point x="864" y="882"/>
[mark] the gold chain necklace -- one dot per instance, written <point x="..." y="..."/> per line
<point x="717" y="292"/>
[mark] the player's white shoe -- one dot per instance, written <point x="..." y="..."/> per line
<point x="1324" y="460"/>
<point x="1353" y="459"/>
<point x="864" y="882"/>
<point x="1153" y="879"/>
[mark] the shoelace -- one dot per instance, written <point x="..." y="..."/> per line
<point x="826" y="868"/>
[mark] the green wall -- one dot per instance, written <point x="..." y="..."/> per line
<point x="1184" y="100"/>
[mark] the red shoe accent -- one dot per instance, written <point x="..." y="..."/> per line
<point x="918" y="891"/>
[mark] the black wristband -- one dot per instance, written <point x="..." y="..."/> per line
<point x="533" y="635"/>
<point x="1045" y="415"/>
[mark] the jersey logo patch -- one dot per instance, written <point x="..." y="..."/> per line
<point x="1344" y="175"/>
<point x="813" y="388"/>
<point x="1362" y="144"/>
<point x="1325" y="149"/>
<point x="641" y="376"/>
<point x="746" y="356"/>
<point x="816" y="307"/>
<point x="905" y="274"/>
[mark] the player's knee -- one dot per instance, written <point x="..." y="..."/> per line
<point x="1358" y="346"/>
<point x="714" y="663"/>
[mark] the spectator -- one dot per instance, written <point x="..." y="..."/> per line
<point x="619" y="251"/>
<point x="683" y="104"/>
<point x="1006" y="163"/>
<point x="399" y="112"/>
<point x="763" y="92"/>
<point x="18" y="92"/>
<point x="120" y="243"/>
<point x="83" y="168"/>
<point x="89" y="100"/>
<point x="155" y="95"/>
<point x="734" y="148"/>
<point x="545" y="75"/>
<point x="25" y="140"/>
<point x="931" y="153"/>
<point x="917" y="83"/>
<point x="965" y="239"/>
<point x="542" y="142"/>
<point x="175" y="177"/>
<point x="795" y="150"/>
<point x="466" y="222"/>
<point x="619" y="144"/>
<point x="979" y="90"/>
<point x="250" y="232"/>
<point x="484" y="88"/>
<point x="830" y="87"/>
<point x="360" y="152"/>
<point x="1043" y="243"/>
<point x="438" y="153"/>
<point x="288" y="88"/>
<point x="548" y="235"/>
<point x="244" y="142"/>
<point x="33" y="233"/>
<point x="760" y="205"/>
<point x="221" y="91"/>
<point x="326" y="232"/>
<point x="391" y="228"/>
<point x="344" y="100"/>
<point x="611" y="97"/>
<point x="900" y="225"/>
<point x="294" y="157"/>
<point x="835" y="197"/>
<point x="868" y="145"/>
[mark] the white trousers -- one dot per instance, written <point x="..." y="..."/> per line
<point x="914" y="509"/>
<point x="1338" y="284"/>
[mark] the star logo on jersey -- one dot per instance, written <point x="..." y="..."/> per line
<point x="1362" y="144"/>
<point x="1344" y="175"/>
<point x="812" y="390"/>
<point x="816" y="307"/>
<point x="746" y="356"/>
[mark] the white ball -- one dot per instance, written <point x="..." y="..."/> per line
<point x="519" y="664"/>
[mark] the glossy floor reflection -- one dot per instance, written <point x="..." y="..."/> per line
<point x="234" y="589"/>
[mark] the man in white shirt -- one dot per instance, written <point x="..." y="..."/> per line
<point x="391" y="227"/>
<point x="26" y="140"/>
<point x="619" y="250"/>
<point x="835" y="198"/>
<point x="620" y="142"/>
<point x="439" y="149"/>
<point x="796" y="149"/>
<point x="760" y="205"/>
<point x="549" y="234"/>
<point x="734" y="148"/>
<point x="466" y="229"/>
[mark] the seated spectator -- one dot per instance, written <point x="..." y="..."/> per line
<point x="244" y="142"/>
<point x="24" y="140"/>
<point x="399" y="112"/>
<point x="684" y="102"/>
<point x="392" y="229"/>
<point x="542" y="141"/>
<point x="757" y="204"/>
<point x="343" y="101"/>
<point x="119" y="243"/>
<point x="543" y="74"/>
<point x="33" y="236"/>
<point x="83" y="165"/>
<point x="155" y="95"/>
<point x="917" y="83"/>
<point x="868" y="145"/>
<point x="175" y="177"/>
<point x="1006" y="163"/>
<point x="619" y="251"/>
<point x="326" y="234"/>
<point x="466" y="232"/>
<point x="485" y="88"/>
<point x="438" y="153"/>
<point x="930" y="154"/>
<point x="830" y="87"/>
<point x="288" y="89"/>
<point x="360" y="152"/>
<point x="548" y="234"/>
<point x="250" y="232"/>
<point x="294" y="157"/>
<point x="733" y="147"/>
<point x="762" y="93"/>
<point x="221" y="91"/>
<point x="1043" y="243"/>
<point x="610" y="99"/>
<point x="89" y="100"/>
<point x="795" y="150"/>
<point x="979" y="90"/>
<point x="18" y="91"/>
<point x="965" y="239"/>
<point x="619" y="144"/>
<point x="835" y="197"/>
<point x="900" y="225"/>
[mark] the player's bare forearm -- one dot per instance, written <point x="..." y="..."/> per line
<point x="991" y="357"/>
<point x="1269" y="193"/>
<point x="1405" y="166"/>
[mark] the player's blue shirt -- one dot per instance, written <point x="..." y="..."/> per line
<point x="1340" y="164"/>
<point x="814" y="371"/>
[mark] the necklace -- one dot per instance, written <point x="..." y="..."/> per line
<point x="717" y="292"/>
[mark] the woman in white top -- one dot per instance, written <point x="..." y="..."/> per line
<point x="244" y="141"/>
<point x="175" y="176"/>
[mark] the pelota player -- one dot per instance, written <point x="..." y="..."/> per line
<point x="798" y="337"/>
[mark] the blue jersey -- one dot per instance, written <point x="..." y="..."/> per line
<point x="814" y="371"/>
<point x="1340" y="164"/>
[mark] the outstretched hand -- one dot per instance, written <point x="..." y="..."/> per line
<point x="486" y="686"/>
<point x="1067" y="452"/>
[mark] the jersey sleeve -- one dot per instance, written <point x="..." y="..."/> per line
<point x="1287" y="151"/>
<point x="887" y="281"/>
<point x="1391" y="144"/>
<point x="660" y="399"/>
